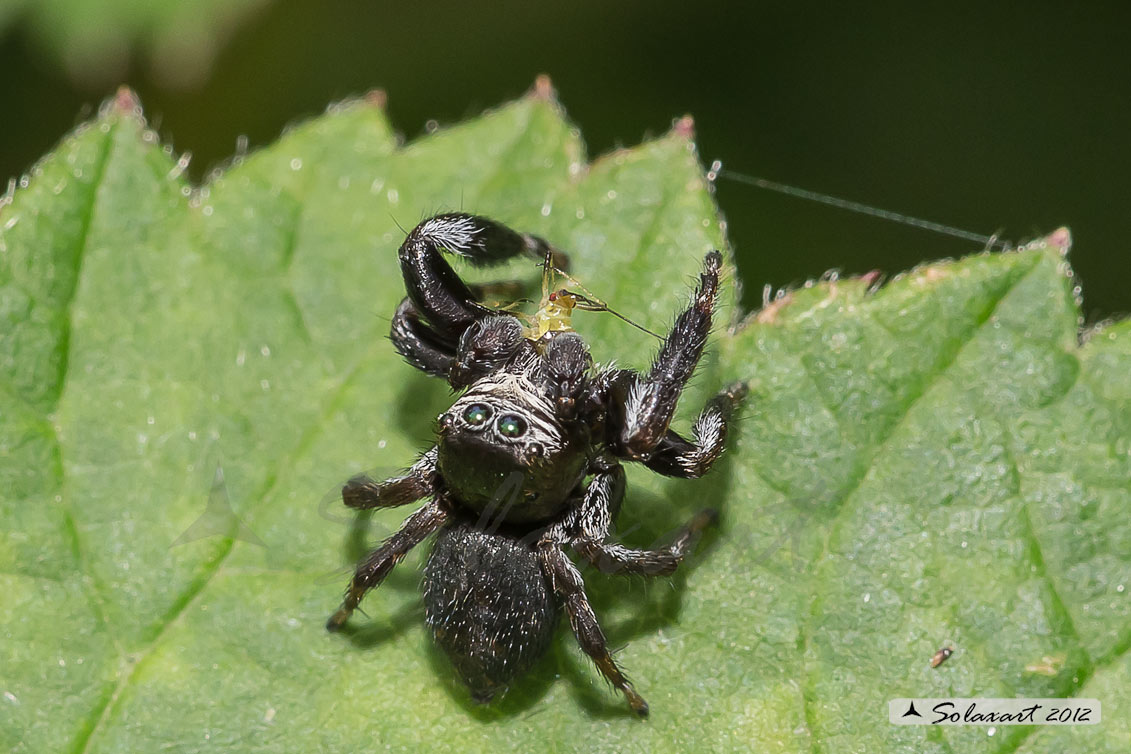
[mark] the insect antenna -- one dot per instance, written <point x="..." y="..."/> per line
<point x="589" y="302"/>
<point x="594" y="305"/>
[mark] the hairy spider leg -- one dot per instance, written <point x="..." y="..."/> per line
<point x="566" y="582"/>
<point x="363" y="493"/>
<point x="447" y="303"/>
<point x="567" y="364"/>
<point x="486" y="345"/>
<point x="380" y="562"/>
<point x="613" y="558"/>
<point x="429" y="324"/>
<point x="597" y="508"/>
<point x="650" y="402"/>
<point x="587" y="527"/>
<point x="690" y="459"/>
<point x="418" y="343"/>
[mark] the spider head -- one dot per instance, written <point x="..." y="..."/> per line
<point x="503" y="450"/>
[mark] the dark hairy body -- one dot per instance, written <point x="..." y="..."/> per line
<point x="506" y="482"/>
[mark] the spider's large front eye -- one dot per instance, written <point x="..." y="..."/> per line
<point x="477" y="414"/>
<point x="512" y="426"/>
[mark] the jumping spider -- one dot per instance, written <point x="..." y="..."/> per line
<point x="505" y="482"/>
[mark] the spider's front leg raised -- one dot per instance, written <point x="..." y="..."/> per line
<point x="418" y="343"/>
<point x="649" y="402"/>
<point x="691" y="459"/>
<point x="448" y="304"/>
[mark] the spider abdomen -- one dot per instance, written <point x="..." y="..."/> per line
<point x="488" y="605"/>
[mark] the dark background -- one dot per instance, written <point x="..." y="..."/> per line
<point x="991" y="119"/>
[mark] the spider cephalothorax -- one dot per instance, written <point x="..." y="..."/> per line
<point x="506" y="482"/>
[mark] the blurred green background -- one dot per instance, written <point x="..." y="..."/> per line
<point x="994" y="119"/>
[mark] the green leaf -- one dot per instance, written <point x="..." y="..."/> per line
<point x="935" y="462"/>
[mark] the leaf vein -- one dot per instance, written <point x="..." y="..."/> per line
<point x="70" y="529"/>
<point x="808" y="678"/>
<point x="208" y="573"/>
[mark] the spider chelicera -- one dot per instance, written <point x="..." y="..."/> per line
<point x="506" y="480"/>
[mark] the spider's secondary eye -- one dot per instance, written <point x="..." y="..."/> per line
<point x="512" y="426"/>
<point x="477" y="414"/>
